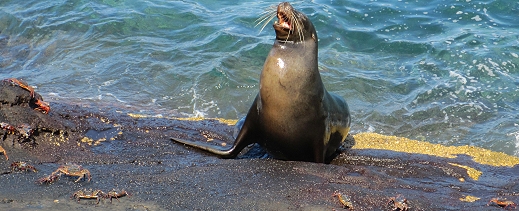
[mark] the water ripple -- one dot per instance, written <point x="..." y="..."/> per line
<point x="443" y="71"/>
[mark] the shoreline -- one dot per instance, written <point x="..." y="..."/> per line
<point x="134" y="153"/>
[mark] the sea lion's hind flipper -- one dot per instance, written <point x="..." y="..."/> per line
<point x="248" y="135"/>
<point x="212" y="149"/>
<point x="242" y="140"/>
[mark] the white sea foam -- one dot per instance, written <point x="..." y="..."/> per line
<point x="476" y="18"/>
<point x="115" y="97"/>
<point x="485" y="68"/>
<point x="371" y="129"/>
<point x="516" y="135"/>
<point x="460" y="78"/>
<point x="200" y="107"/>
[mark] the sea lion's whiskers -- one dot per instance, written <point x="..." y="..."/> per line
<point x="265" y="19"/>
<point x="299" y="27"/>
<point x="295" y="23"/>
<point x="289" y="30"/>
<point x="266" y="16"/>
<point x="290" y="24"/>
<point x="288" y="18"/>
<point x="268" y="10"/>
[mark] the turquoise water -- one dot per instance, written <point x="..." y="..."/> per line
<point x="444" y="71"/>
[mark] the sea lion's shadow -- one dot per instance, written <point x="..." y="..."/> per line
<point x="348" y="143"/>
<point x="257" y="151"/>
<point x="254" y="151"/>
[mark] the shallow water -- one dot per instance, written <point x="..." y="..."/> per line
<point x="439" y="70"/>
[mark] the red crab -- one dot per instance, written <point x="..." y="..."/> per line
<point x="399" y="203"/>
<point x="83" y="194"/>
<point x="22" y="166"/>
<point x="69" y="169"/>
<point x="116" y="194"/>
<point x="505" y="204"/>
<point x="21" y="84"/>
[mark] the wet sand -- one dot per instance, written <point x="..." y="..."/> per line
<point x="134" y="152"/>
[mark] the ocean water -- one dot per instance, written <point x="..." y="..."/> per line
<point x="443" y="71"/>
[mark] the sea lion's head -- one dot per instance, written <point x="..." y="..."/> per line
<point x="293" y="25"/>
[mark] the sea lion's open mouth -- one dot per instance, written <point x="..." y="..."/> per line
<point x="291" y="25"/>
<point x="284" y="21"/>
<point x="285" y="14"/>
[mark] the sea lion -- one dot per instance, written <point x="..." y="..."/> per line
<point x="293" y="116"/>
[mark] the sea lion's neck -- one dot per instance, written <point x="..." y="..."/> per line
<point x="291" y="56"/>
<point x="291" y="67"/>
<point x="308" y="44"/>
<point x="290" y="80"/>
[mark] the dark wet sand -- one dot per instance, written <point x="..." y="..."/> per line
<point x="136" y="154"/>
